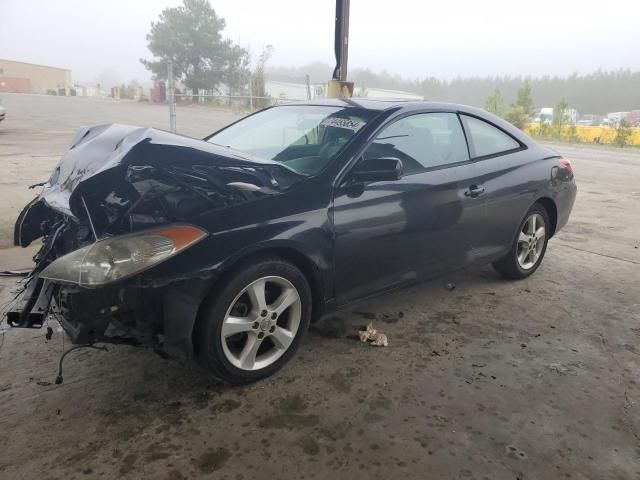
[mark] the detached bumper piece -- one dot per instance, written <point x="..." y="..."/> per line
<point x="32" y="305"/>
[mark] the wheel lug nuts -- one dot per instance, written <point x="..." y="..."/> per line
<point x="255" y="325"/>
<point x="274" y="315"/>
<point x="272" y="329"/>
<point x="263" y="313"/>
<point x="261" y="334"/>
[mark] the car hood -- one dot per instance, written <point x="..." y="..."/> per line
<point x="98" y="149"/>
<point x="120" y="178"/>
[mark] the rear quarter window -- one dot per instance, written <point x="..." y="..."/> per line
<point x="486" y="139"/>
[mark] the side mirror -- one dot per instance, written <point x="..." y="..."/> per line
<point x="377" y="170"/>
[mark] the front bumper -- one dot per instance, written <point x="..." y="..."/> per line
<point x="161" y="317"/>
<point x="89" y="315"/>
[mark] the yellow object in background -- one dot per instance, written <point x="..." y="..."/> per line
<point x="338" y="89"/>
<point x="583" y="134"/>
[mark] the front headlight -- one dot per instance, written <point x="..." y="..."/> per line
<point x="120" y="257"/>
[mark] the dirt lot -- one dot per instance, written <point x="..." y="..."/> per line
<point x="536" y="379"/>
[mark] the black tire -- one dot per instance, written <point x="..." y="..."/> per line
<point x="207" y="337"/>
<point x="509" y="266"/>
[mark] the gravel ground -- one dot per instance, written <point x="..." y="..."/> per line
<point x="536" y="379"/>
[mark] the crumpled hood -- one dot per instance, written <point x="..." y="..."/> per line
<point x="119" y="178"/>
<point x="100" y="148"/>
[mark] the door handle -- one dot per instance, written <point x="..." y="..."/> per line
<point x="474" y="191"/>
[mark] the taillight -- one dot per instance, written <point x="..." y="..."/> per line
<point x="567" y="165"/>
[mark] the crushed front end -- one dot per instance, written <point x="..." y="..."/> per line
<point x="101" y="302"/>
<point x="123" y="201"/>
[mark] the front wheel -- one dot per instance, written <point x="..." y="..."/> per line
<point x="254" y="324"/>
<point x="529" y="246"/>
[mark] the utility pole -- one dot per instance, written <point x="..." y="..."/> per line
<point x="308" y="84"/>
<point x="172" y="98"/>
<point x="250" y="92"/>
<point x="338" y="85"/>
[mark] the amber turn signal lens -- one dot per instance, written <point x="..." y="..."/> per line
<point x="182" y="235"/>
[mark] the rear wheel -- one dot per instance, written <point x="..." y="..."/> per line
<point x="254" y="324"/>
<point x="529" y="246"/>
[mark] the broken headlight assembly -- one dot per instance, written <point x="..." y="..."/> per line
<point x="116" y="258"/>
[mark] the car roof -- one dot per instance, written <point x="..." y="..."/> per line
<point x="408" y="105"/>
<point x="381" y="104"/>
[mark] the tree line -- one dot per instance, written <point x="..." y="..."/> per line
<point x="599" y="92"/>
<point x="190" y="36"/>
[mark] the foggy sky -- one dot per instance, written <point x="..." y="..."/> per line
<point x="412" y="38"/>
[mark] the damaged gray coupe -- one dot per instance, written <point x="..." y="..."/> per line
<point x="225" y="249"/>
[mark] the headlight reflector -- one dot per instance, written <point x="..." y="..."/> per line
<point x="119" y="257"/>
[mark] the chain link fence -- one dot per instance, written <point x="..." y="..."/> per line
<point x="243" y="102"/>
<point x="246" y="101"/>
<point x="240" y="103"/>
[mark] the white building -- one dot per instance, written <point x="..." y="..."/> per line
<point x="382" y="93"/>
<point x="287" y="90"/>
<point x="298" y="91"/>
<point x="613" y="119"/>
<point x="546" y="116"/>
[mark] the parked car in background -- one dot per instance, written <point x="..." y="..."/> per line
<point x="228" y="247"/>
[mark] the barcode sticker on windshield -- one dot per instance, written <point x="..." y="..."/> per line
<point x="347" y="123"/>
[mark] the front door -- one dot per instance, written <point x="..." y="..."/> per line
<point x="394" y="232"/>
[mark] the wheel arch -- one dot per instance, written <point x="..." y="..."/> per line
<point x="552" y="210"/>
<point x="286" y="252"/>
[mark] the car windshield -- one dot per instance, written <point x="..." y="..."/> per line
<point x="305" y="138"/>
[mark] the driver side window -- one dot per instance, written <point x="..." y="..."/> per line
<point x="422" y="141"/>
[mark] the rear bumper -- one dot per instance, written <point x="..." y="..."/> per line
<point x="565" y="200"/>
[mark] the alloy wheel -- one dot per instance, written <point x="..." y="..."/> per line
<point x="531" y="241"/>
<point x="261" y="323"/>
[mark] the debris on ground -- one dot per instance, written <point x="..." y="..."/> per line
<point x="450" y="286"/>
<point x="373" y="337"/>
<point x="514" y="452"/>
<point x="562" y="369"/>
<point x="441" y="353"/>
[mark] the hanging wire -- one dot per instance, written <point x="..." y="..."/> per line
<point x="59" y="378"/>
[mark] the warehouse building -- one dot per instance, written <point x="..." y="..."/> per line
<point x="21" y="77"/>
